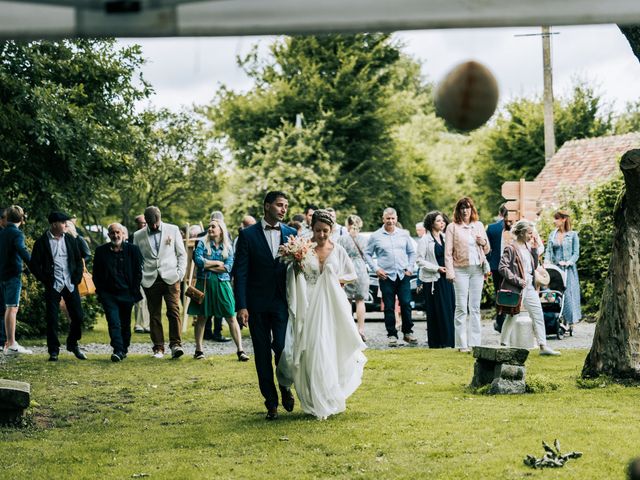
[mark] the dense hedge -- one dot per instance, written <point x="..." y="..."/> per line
<point x="592" y="218"/>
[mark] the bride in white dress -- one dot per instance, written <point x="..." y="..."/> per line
<point x="322" y="356"/>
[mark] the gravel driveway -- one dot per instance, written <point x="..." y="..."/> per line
<point x="375" y="332"/>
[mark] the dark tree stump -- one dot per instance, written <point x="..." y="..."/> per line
<point x="616" y="343"/>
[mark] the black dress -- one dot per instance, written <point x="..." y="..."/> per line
<point x="440" y="305"/>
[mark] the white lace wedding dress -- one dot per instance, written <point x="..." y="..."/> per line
<point x="322" y="356"/>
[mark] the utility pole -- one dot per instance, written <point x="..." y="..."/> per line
<point x="547" y="96"/>
<point x="549" y="134"/>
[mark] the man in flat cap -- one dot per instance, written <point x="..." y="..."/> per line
<point x="57" y="263"/>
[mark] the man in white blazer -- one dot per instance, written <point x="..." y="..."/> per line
<point x="165" y="263"/>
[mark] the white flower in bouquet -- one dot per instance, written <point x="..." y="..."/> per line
<point x="295" y="252"/>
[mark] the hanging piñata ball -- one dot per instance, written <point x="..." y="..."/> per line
<point x="467" y="96"/>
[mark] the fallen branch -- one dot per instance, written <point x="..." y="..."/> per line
<point x="552" y="458"/>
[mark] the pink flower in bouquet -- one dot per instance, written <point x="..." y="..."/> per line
<point x="295" y="251"/>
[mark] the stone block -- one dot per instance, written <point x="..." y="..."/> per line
<point x="14" y="395"/>
<point x="512" y="356"/>
<point x="483" y="373"/>
<point x="502" y="386"/>
<point x="502" y="368"/>
<point x="509" y="372"/>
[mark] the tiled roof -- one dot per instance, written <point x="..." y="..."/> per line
<point x="580" y="164"/>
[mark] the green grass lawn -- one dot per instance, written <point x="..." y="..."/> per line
<point x="411" y="418"/>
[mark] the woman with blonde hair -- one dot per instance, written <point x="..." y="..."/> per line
<point x="466" y="247"/>
<point x="517" y="267"/>
<point x="563" y="250"/>
<point x="355" y="244"/>
<point x="214" y="258"/>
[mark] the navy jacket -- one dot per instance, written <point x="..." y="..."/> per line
<point x="259" y="279"/>
<point x="104" y="271"/>
<point x="494" y="234"/>
<point x="12" y="252"/>
<point x="42" y="260"/>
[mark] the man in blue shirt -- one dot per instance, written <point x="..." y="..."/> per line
<point x="13" y="253"/>
<point x="396" y="255"/>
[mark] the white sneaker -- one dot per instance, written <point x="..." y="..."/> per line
<point x="158" y="354"/>
<point x="548" y="351"/>
<point x="16" y="348"/>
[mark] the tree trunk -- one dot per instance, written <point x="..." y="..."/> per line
<point x="616" y="343"/>
<point x="632" y="32"/>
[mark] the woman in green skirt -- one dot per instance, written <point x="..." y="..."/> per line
<point x="214" y="258"/>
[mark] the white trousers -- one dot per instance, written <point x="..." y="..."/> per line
<point x="468" y="284"/>
<point x="531" y="303"/>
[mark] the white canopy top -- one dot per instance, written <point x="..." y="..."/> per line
<point x="31" y="19"/>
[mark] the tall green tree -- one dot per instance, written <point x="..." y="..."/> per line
<point x="290" y="158"/>
<point x="350" y="90"/>
<point x="514" y="145"/>
<point x="629" y="120"/>
<point x="67" y="122"/>
<point x="437" y="161"/>
<point x="176" y="167"/>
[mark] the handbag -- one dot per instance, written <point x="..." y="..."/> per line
<point x="194" y="294"/>
<point x="542" y="277"/>
<point x="191" y="291"/>
<point x="86" y="286"/>
<point x="507" y="298"/>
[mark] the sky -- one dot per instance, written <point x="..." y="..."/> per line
<point x="186" y="71"/>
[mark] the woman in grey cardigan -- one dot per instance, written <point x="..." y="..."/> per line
<point x="438" y="293"/>
<point x="563" y="250"/>
<point x="517" y="267"/>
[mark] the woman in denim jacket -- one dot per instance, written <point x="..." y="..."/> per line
<point x="563" y="250"/>
<point x="214" y="258"/>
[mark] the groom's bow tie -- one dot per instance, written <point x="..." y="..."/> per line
<point x="269" y="227"/>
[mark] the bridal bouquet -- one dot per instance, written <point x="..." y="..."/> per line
<point x="295" y="251"/>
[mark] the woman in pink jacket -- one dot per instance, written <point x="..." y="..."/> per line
<point x="465" y="258"/>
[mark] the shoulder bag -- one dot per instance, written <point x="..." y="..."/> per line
<point x="508" y="300"/>
<point x="86" y="286"/>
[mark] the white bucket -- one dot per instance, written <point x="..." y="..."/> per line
<point x="522" y="334"/>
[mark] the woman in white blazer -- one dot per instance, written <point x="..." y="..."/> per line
<point x="438" y="293"/>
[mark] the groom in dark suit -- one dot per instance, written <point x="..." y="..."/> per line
<point x="260" y="292"/>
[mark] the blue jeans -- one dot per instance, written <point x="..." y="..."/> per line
<point x="11" y="289"/>
<point x="401" y="288"/>
<point x="9" y="296"/>
<point x="117" y="310"/>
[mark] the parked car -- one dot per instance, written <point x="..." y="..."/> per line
<point x="373" y="300"/>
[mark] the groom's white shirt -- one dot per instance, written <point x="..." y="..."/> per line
<point x="272" y="236"/>
<point x="169" y="261"/>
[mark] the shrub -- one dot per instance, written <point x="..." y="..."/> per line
<point x="590" y="383"/>
<point x="540" y="384"/>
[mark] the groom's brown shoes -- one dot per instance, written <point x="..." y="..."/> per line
<point x="287" y="398"/>
<point x="272" y="413"/>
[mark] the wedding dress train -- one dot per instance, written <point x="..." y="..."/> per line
<point x="322" y="356"/>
